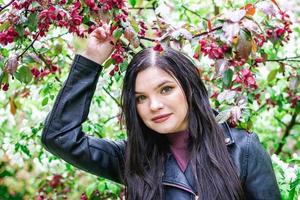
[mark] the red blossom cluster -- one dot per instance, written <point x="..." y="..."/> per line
<point x="143" y="28"/>
<point x="211" y="49"/>
<point x="55" y="181"/>
<point x="236" y="62"/>
<point x="293" y="99"/>
<point x="108" y="5"/>
<point x="23" y="4"/>
<point x="121" y="17"/>
<point x="260" y="40"/>
<point x="246" y="77"/>
<point x="280" y="32"/>
<point x="43" y="72"/>
<point x="118" y="57"/>
<point x="92" y="5"/>
<point x="8" y="36"/>
<point x="158" y="47"/>
<point x="59" y="16"/>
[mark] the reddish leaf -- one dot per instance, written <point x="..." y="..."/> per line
<point x="13" y="107"/>
<point x="221" y="66"/>
<point x="250" y="9"/>
<point x="209" y="25"/>
<point x="12" y="65"/>
<point x="244" y="46"/>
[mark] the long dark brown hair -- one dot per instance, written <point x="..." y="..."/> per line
<point x="215" y="173"/>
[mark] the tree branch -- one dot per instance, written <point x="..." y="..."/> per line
<point x="141" y="8"/>
<point x="290" y="59"/>
<point x="44" y="60"/>
<point x="2" y="8"/>
<point x="286" y="133"/>
<point x="110" y="118"/>
<point x="145" y="38"/>
<point x="207" y="32"/>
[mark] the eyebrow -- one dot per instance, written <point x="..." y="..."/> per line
<point x="158" y="86"/>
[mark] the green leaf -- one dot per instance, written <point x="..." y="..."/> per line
<point x="101" y="187"/>
<point x="32" y="21"/>
<point x="20" y="30"/>
<point x="123" y="65"/>
<point x="90" y="189"/>
<point x="24" y="74"/>
<point x="117" y="33"/>
<point x="4" y="26"/>
<point x="4" y="77"/>
<point x="272" y="75"/>
<point x="227" y="77"/>
<point x="25" y="150"/>
<point x="108" y="63"/>
<point x="45" y="101"/>
<point x="4" y="52"/>
<point x="132" y="2"/>
<point x="28" y="59"/>
<point x="134" y="25"/>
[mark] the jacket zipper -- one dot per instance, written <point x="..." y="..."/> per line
<point x="181" y="187"/>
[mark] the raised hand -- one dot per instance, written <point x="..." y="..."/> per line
<point x="99" y="46"/>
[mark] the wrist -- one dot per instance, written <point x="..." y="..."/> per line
<point x="92" y="57"/>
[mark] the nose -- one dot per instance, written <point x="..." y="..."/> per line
<point x="156" y="104"/>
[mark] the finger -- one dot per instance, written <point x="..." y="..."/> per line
<point x="103" y="34"/>
<point x="105" y="26"/>
<point x="99" y="33"/>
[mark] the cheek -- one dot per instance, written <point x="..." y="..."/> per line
<point x="181" y="100"/>
<point x="141" y="112"/>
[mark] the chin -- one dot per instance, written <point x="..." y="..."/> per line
<point x="163" y="130"/>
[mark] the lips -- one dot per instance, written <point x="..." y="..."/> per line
<point x="160" y="118"/>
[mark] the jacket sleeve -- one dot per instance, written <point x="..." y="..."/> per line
<point x="62" y="134"/>
<point x="260" y="181"/>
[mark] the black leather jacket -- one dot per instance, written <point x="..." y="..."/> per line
<point x="63" y="136"/>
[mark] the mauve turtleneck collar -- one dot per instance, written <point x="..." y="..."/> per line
<point x="179" y="147"/>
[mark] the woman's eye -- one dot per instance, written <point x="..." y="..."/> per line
<point x="141" y="98"/>
<point x="166" y="89"/>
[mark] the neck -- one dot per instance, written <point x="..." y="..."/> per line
<point x="178" y="139"/>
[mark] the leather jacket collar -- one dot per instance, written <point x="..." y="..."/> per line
<point x="173" y="175"/>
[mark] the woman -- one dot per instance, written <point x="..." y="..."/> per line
<point x="175" y="149"/>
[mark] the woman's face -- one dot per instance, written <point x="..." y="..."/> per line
<point x="160" y="101"/>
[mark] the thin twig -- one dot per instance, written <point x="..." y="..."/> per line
<point x="58" y="36"/>
<point x="281" y="122"/>
<point x="195" y="13"/>
<point x="259" y="109"/>
<point x="113" y="98"/>
<point x="31" y="45"/>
